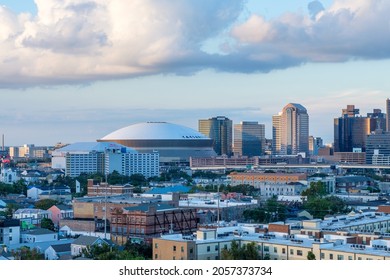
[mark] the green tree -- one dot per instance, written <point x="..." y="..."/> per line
<point x="106" y="252"/>
<point x="138" y="180"/>
<point x="316" y="189"/>
<point x="245" y="252"/>
<point x="25" y="253"/>
<point x="320" y="207"/>
<point x="117" y="179"/>
<point x="234" y="253"/>
<point x="143" y="250"/>
<point x="47" y="223"/>
<point x="20" y="186"/>
<point x="45" y="204"/>
<point x="311" y="256"/>
<point x="272" y="211"/>
<point x="10" y="209"/>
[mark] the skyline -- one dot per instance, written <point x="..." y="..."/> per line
<point x="247" y="64"/>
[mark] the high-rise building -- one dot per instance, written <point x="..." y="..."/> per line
<point x="249" y="139"/>
<point x="220" y="130"/>
<point x="276" y="134"/>
<point x="387" y="114"/>
<point x="378" y="148"/>
<point x="292" y="127"/>
<point x="351" y="130"/>
<point x="314" y="144"/>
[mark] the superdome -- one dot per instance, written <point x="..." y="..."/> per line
<point x="156" y="131"/>
<point x="175" y="143"/>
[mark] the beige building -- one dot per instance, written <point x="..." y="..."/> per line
<point x="207" y="244"/>
<point x="259" y="179"/>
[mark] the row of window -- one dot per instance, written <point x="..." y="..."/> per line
<point x="292" y="251"/>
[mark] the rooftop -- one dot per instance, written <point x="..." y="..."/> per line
<point x="166" y="190"/>
<point x="39" y="231"/>
<point x="145" y="207"/>
<point x="93" y="147"/>
<point x="155" y="131"/>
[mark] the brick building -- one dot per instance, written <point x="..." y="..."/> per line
<point x="101" y="189"/>
<point x="150" y="220"/>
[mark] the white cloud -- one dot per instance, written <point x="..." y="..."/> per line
<point x="85" y="40"/>
<point x="349" y="29"/>
<point x="80" y="41"/>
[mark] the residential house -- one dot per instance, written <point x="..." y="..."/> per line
<point x="59" y="212"/>
<point x="83" y="242"/>
<point x="54" y="192"/>
<point x="55" y="252"/>
<point x="9" y="231"/>
<point x="30" y="217"/>
<point x="38" y="235"/>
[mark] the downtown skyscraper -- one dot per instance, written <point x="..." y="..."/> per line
<point x="249" y="139"/>
<point x="290" y="130"/>
<point x="220" y="130"/>
<point x="351" y="129"/>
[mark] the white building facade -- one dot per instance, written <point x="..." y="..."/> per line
<point x="104" y="157"/>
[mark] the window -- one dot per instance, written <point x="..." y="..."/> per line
<point x="191" y="250"/>
<point x="266" y="249"/>
<point x="155" y="256"/>
<point x="275" y="250"/>
<point x="331" y="256"/>
<point x="156" y="245"/>
<point x="299" y="252"/>
<point x="322" y="256"/>
<point x="283" y="250"/>
<point x="208" y="248"/>
<point x="340" y="257"/>
<point x="182" y="249"/>
<point x="350" y="258"/>
<point x="216" y="247"/>
<point x="291" y="251"/>
<point x="174" y="248"/>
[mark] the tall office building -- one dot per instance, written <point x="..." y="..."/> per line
<point x="378" y="148"/>
<point x="351" y="130"/>
<point x="276" y="134"/>
<point x="249" y="139"/>
<point x="292" y="127"/>
<point x="220" y="130"/>
<point x="314" y="144"/>
<point x="388" y="114"/>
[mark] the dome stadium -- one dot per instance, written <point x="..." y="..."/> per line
<point x="175" y="143"/>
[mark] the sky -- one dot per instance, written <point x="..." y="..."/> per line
<point x="76" y="70"/>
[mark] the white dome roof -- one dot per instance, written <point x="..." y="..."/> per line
<point x="154" y="131"/>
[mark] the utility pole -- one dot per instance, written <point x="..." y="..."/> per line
<point x="105" y="194"/>
<point x="218" y="207"/>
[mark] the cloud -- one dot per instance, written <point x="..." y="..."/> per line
<point x="82" y="41"/>
<point x="347" y="30"/>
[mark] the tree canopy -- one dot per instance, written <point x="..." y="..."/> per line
<point x="129" y="252"/>
<point x="45" y="204"/>
<point x="272" y="211"/>
<point x="236" y="252"/>
<point x="47" y="223"/>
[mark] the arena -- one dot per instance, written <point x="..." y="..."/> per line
<point x="175" y="143"/>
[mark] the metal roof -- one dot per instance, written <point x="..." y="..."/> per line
<point x="155" y="131"/>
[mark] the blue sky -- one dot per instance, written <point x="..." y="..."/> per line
<point x="78" y="70"/>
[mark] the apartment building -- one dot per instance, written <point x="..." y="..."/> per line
<point x="260" y="179"/>
<point x="207" y="244"/>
